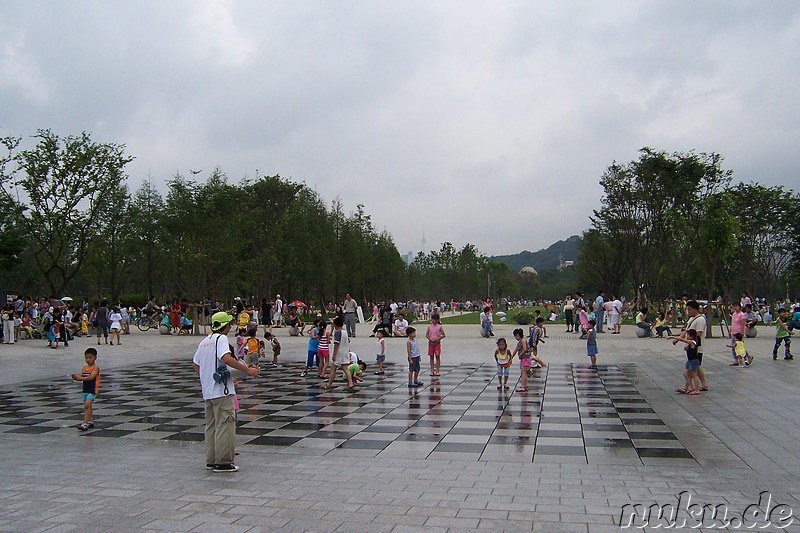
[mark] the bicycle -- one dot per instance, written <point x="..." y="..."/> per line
<point x="144" y="323"/>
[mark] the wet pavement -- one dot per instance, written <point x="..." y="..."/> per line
<point x="455" y="453"/>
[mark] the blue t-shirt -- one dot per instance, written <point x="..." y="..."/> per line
<point x="313" y="342"/>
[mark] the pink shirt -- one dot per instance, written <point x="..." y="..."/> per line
<point x="738" y="323"/>
<point x="435" y="333"/>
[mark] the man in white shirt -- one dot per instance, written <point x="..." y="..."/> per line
<point x="277" y="318"/>
<point x="400" y="326"/>
<point x="212" y="353"/>
<point x="697" y="322"/>
<point x="349" y="307"/>
<point x="616" y="314"/>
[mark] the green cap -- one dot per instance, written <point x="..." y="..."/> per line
<point x="220" y="320"/>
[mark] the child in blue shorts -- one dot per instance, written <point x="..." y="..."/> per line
<point x="381" y="356"/>
<point x="692" y="361"/>
<point x="90" y="376"/>
<point x="591" y="343"/>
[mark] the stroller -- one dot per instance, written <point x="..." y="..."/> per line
<point x="40" y="331"/>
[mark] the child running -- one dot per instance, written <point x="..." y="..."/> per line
<point x="90" y="376"/>
<point x="503" y="358"/>
<point x="536" y="337"/>
<point x="692" y="361"/>
<point x="412" y="350"/>
<point x="381" y="356"/>
<point x="782" y="335"/>
<point x="323" y="349"/>
<point x="435" y="334"/>
<point x="591" y="343"/>
<point x="524" y="355"/>
<point x="341" y="353"/>
<point x="739" y="351"/>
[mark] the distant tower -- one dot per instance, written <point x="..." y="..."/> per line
<point x="423" y="240"/>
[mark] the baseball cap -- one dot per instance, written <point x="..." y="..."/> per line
<point x="220" y="320"/>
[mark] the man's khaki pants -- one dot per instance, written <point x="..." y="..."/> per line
<point x="220" y="430"/>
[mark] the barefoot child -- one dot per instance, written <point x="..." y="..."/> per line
<point x="523" y="352"/>
<point x="502" y="355"/>
<point x="692" y="361"/>
<point x="313" y="348"/>
<point x="356" y="370"/>
<point x="591" y="343"/>
<point x="412" y="350"/>
<point x="251" y="349"/>
<point x="90" y="376"/>
<point x="381" y="357"/>
<point x="341" y="353"/>
<point x="276" y="347"/>
<point x="323" y="349"/>
<point x="435" y="334"/>
<point x="737" y="345"/>
<point x="116" y="325"/>
<point x="536" y="337"/>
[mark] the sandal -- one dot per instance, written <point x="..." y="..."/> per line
<point x="681" y="390"/>
<point x="505" y="387"/>
<point x="521" y="389"/>
<point x="703" y="389"/>
<point x="499" y="387"/>
<point x="693" y="392"/>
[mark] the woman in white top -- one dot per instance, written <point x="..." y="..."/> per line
<point x="569" y="308"/>
<point x="116" y="325"/>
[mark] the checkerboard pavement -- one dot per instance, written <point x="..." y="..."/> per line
<point x="449" y="457"/>
<point x="571" y="414"/>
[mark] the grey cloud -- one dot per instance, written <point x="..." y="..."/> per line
<point x="482" y="122"/>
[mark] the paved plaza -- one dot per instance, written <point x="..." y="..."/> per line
<point x="454" y="454"/>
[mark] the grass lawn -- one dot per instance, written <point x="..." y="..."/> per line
<point x="474" y="318"/>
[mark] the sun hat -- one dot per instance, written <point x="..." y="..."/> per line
<point x="220" y="320"/>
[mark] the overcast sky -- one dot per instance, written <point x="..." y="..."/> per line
<point x="481" y="122"/>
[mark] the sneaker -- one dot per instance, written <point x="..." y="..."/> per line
<point x="303" y="374"/>
<point x="788" y="358"/>
<point x="83" y="426"/>
<point x="273" y="365"/>
<point x="226" y="468"/>
<point x="774" y="357"/>
<point x="418" y="383"/>
<point x="210" y="466"/>
<point x="90" y="424"/>
<point x="411" y="385"/>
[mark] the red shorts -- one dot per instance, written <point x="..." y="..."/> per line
<point x="324" y="353"/>
<point x="435" y="348"/>
<point x="525" y="363"/>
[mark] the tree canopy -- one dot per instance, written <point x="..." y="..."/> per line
<point x="670" y="224"/>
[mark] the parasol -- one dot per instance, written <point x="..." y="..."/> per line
<point x="298" y="303"/>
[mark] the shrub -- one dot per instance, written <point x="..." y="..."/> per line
<point x="523" y="318"/>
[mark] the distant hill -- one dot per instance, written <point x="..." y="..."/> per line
<point x="543" y="259"/>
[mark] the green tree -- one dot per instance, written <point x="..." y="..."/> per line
<point x="68" y="184"/>
<point x="769" y="222"/>
<point x="649" y="206"/>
